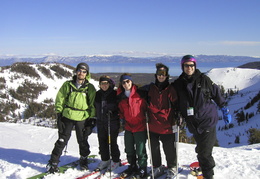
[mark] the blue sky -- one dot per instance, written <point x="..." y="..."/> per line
<point x="129" y="27"/>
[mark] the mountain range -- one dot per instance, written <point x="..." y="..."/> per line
<point x="6" y="61"/>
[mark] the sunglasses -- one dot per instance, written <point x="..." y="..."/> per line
<point x="161" y="73"/>
<point x="81" y="71"/>
<point x="187" y="65"/>
<point x="104" y="83"/>
<point x="126" y="81"/>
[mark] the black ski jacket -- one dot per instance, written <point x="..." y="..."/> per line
<point x="106" y="101"/>
<point x="201" y="94"/>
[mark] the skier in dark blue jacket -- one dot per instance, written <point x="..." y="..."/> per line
<point x="198" y="98"/>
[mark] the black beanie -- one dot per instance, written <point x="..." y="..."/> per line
<point x="82" y="66"/>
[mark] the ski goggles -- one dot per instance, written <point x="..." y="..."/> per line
<point x="161" y="72"/>
<point x="82" y="71"/>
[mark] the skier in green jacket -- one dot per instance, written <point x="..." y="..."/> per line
<point x="74" y="105"/>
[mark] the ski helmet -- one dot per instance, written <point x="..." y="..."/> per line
<point x="82" y="66"/>
<point x="188" y="58"/>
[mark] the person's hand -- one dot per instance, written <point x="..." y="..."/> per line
<point x="226" y="116"/>
<point x="89" y="125"/>
<point x="91" y="122"/>
<point x="59" y="116"/>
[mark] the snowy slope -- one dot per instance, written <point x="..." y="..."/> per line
<point x="247" y="82"/>
<point x="236" y="78"/>
<point x="25" y="150"/>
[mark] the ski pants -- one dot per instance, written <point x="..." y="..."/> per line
<point x="168" y="148"/>
<point x="205" y="143"/>
<point x="104" y="145"/>
<point x="135" y="145"/>
<point x="64" y="136"/>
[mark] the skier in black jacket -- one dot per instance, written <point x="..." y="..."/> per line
<point x="197" y="100"/>
<point x="107" y="108"/>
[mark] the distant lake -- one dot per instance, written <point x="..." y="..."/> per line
<point x="175" y="68"/>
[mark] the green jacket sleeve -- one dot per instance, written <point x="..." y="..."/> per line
<point x="91" y="96"/>
<point x="61" y="97"/>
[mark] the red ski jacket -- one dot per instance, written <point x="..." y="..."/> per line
<point x="160" y="110"/>
<point x="133" y="110"/>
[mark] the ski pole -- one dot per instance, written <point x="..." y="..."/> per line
<point x="109" y="139"/>
<point x="177" y="149"/>
<point x="149" y="143"/>
<point x="177" y="136"/>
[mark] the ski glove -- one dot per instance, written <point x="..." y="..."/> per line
<point x="60" y="123"/>
<point x="226" y="116"/>
<point x="91" y="122"/>
<point x="89" y="125"/>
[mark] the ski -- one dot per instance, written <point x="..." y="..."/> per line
<point x="64" y="168"/>
<point x="88" y="174"/>
<point x="101" y="173"/>
<point x="106" y="174"/>
<point x="175" y="176"/>
<point x="164" y="174"/>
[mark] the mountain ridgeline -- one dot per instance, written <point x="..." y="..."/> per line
<point x="5" y="61"/>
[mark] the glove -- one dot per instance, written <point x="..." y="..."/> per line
<point x="91" y="122"/>
<point x="174" y="129"/>
<point x="178" y="118"/>
<point x="60" y="123"/>
<point x="59" y="116"/>
<point x="89" y="125"/>
<point x="226" y="116"/>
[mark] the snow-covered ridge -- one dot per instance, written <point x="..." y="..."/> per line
<point x="238" y="78"/>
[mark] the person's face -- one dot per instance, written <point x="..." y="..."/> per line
<point x="161" y="75"/>
<point x="127" y="84"/>
<point x="189" y="68"/>
<point x="81" y="74"/>
<point x="104" y="85"/>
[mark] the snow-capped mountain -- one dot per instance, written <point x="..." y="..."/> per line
<point x="5" y="61"/>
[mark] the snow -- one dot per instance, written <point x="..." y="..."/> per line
<point x="235" y="78"/>
<point x="25" y="149"/>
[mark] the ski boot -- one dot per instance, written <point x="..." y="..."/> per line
<point x="129" y="171"/>
<point x="83" y="163"/>
<point x="52" y="167"/>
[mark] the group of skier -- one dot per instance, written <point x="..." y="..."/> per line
<point x="148" y="112"/>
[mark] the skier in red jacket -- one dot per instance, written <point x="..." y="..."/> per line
<point x="132" y="109"/>
<point x="161" y="98"/>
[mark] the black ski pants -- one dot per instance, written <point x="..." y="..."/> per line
<point x="205" y="143"/>
<point x="104" y="143"/>
<point x="64" y="131"/>
<point x="168" y="148"/>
